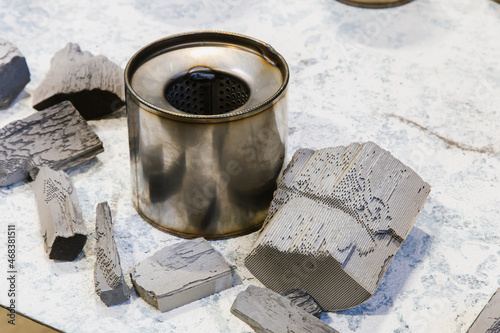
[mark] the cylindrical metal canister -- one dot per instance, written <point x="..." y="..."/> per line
<point x="207" y="120"/>
<point x="375" y="3"/>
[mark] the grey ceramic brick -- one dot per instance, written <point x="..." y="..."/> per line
<point x="61" y="221"/>
<point x="108" y="276"/>
<point x="57" y="137"/>
<point x="180" y="274"/>
<point x="14" y="73"/>
<point x="337" y="219"/>
<point x="94" y="84"/>
<point x="268" y="312"/>
<point x="488" y="320"/>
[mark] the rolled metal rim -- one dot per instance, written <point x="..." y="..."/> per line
<point x="200" y="38"/>
<point x="375" y="4"/>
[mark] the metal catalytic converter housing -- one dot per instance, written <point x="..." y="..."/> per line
<point x="207" y="122"/>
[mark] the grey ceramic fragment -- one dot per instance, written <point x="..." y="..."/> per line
<point x="180" y="274"/>
<point x="61" y="221"/>
<point x="108" y="276"/>
<point x="94" y="84"/>
<point x="488" y="320"/>
<point x="337" y="219"/>
<point x="268" y="312"/>
<point x="57" y="137"/>
<point x="304" y="301"/>
<point x="14" y="73"/>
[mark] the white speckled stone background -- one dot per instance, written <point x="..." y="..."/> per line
<point x="421" y="80"/>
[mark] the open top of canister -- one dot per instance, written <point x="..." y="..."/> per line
<point x="207" y="76"/>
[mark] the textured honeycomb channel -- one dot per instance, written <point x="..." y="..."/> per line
<point x="204" y="91"/>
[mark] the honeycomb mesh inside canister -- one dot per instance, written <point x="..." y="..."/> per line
<point x="205" y="91"/>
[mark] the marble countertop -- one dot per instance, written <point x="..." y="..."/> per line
<point x="421" y="80"/>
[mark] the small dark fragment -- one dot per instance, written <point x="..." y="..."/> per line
<point x="61" y="221"/>
<point x="57" y="137"/>
<point x="108" y="276"/>
<point x="93" y="84"/>
<point x="14" y="73"/>
<point x="268" y="312"/>
<point x="303" y="300"/>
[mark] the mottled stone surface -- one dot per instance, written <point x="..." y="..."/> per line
<point x="94" y="84"/>
<point x="63" y="230"/>
<point x="57" y="137"/>
<point x="406" y="78"/>
<point x="181" y="273"/>
<point x="337" y="219"/>
<point x="108" y="276"/>
<point x="14" y="73"/>
<point x="268" y="312"/>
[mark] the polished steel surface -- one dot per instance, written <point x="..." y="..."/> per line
<point x="210" y="175"/>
